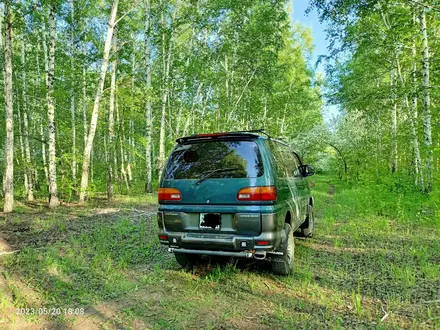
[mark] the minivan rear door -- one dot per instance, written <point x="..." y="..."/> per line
<point x="209" y="174"/>
<point x="213" y="171"/>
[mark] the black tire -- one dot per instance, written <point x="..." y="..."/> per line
<point x="308" y="226"/>
<point x="186" y="260"/>
<point x="283" y="265"/>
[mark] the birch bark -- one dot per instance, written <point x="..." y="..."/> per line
<point x="53" y="189"/>
<point x="394" y="121"/>
<point x="84" y="99"/>
<point x="166" y="59"/>
<point x="9" y="116"/>
<point x="148" y="112"/>
<point x="111" y="124"/>
<point x="410" y="113"/>
<point x="94" y="118"/>
<point x="27" y="149"/>
<point x="72" y="90"/>
<point x="426" y="103"/>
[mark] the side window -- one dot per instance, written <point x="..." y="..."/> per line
<point x="278" y="159"/>
<point x="291" y="163"/>
<point x="285" y="161"/>
<point x="298" y="163"/>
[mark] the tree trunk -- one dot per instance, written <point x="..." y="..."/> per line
<point x="94" y="118"/>
<point x="43" y="152"/>
<point x="426" y="104"/>
<point x="21" y="143"/>
<point x="413" y="121"/>
<point x="27" y="149"/>
<point x="9" y="142"/>
<point x="394" y="121"/>
<point x="42" y="136"/>
<point x="166" y="58"/>
<point x="121" y="145"/>
<point x="111" y="125"/>
<point x="130" y="152"/>
<point x="410" y="112"/>
<point x="148" y="110"/>
<point x="72" y="91"/>
<point x="84" y="101"/>
<point x="50" y="71"/>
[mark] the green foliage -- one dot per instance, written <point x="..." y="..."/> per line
<point x="374" y="69"/>
<point x="233" y="65"/>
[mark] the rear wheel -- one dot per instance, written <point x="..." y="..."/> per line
<point x="283" y="265"/>
<point x="309" y="225"/>
<point x="186" y="260"/>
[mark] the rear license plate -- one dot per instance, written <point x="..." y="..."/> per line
<point x="210" y="221"/>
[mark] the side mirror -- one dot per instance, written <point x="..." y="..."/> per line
<point x="307" y="170"/>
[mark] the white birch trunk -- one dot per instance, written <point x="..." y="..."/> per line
<point x="94" y="118"/>
<point x="166" y="58"/>
<point x="130" y="152"/>
<point x="84" y="101"/>
<point x="148" y="110"/>
<point x="9" y="142"/>
<point x="413" y="123"/>
<point x="121" y="145"/>
<point x="410" y="111"/>
<point x="53" y="189"/>
<point x="42" y="135"/>
<point x="3" y="87"/>
<point x="426" y="104"/>
<point x="72" y="91"/>
<point x="394" y="122"/>
<point x="27" y="149"/>
<point x="111" y="124"/>
<point x="43" y="152"/>
<point x="21" y="143"/>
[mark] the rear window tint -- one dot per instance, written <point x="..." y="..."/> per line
<point x="191" y="161"/>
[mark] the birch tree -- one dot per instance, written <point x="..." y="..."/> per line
<point x="50" y="75"/>
<point x="111" y="124"/>
<point x="9" y="115"/>
<point x="72" y="89"/>
<point x="166" y="63"/>
<point x="99" y="89"/>
<point x="25" y="102"/>
<point x="429" y="162"/>
<point x="148" y="112"/>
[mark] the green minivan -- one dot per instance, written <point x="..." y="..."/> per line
<point x="238" y="194"/>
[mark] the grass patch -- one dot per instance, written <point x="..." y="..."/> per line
<point x="373" y="263"/>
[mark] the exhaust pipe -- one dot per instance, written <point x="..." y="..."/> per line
<point x="260" y="255"/>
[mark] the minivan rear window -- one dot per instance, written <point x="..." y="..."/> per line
<point x="232" y="159"/>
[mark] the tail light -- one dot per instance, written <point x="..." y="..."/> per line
<point x="169" y="194"/>
<point x="265" y="193"/>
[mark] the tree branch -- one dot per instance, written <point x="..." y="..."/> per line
<point x="128" y="12"/>
<point x="424" y="5"/>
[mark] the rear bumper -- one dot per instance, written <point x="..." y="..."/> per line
<point x="225" y="243"/>
<point x="212" y="253"/>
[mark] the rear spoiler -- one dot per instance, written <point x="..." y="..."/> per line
<point x="216" y="136"/>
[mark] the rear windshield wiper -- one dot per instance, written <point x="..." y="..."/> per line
<point x="210" y="173"/>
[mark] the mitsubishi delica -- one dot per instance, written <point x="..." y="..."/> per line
<point x="238" y="194"/>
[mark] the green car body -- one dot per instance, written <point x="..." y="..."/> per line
<point x="208" y="216"/>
